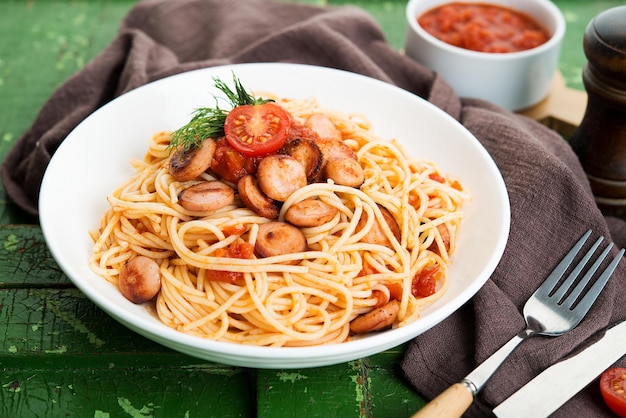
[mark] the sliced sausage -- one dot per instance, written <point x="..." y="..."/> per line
<point x="323" y="126"/>
<point x="206" y="196"/>
<point x="445" y="238"/>
<point x="140" y="279"/>
<point x="334" y="149"/>
<point x="310" y="212"/>
<point x="376" y="235"/>
<point x="279" y="238"/>
<point x="255" y="200"/>
<point x="280" y="175"/>
<point x="377" y="319"/>
<point x="345" y="172"/>
<point x="187" y="164"/>
<point x="307" y="153"/>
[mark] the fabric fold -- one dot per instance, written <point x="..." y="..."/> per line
<point x="551" y="201"/>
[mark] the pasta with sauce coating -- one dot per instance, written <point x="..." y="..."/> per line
<point x="212" y="284"/>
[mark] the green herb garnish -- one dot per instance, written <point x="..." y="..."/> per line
<point x="208" y="122"/>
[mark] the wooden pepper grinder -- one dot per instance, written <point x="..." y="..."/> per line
<point x="600" y="140"/>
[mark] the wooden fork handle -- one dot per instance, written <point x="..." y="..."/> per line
<point x="448" y="404"/>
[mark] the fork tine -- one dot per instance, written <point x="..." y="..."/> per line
<point x="586" y="302"/>
<point x="571" y="299"/>
<point x="560" y="292"/>
<point x="560" y="269"/>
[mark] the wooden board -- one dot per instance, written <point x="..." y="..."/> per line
<point x="562" y="110"/>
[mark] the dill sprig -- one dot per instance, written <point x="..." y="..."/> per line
<point x="240" y="96"/>
<point x="208" y="122"/>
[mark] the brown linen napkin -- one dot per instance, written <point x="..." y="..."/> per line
<point x="551" y="201"/>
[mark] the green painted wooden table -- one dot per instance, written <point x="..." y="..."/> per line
<point x="61" y="356"/>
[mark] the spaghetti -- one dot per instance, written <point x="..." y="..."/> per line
<point x="300" y="299"/>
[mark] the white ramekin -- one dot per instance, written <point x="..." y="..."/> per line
<point x="515" y="80"/>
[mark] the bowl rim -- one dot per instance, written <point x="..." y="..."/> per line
<point x="556" y="36"/>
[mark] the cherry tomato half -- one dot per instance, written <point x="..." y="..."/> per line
<point x="257" y="130"/>
<point x="613" y="388"/>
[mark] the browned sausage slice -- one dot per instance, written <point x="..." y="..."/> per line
<point x="187" y="164"/>
<point x="280" y="175"/>
<point x="310" y="212"/>
<point x="254" y="199"/>
<point x="345" y="172"/>
<point x="279" y="238"/>
<point x="377" y="319"/>
<point x="307" y="153"/>
<point x="140" y="279"/>
<point x="376" y="234"/>
<point x="206" y="196"/>
<point x="323" y="126"/>
<point x="334" y="149"/>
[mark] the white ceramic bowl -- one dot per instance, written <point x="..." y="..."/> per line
<point x="95" y="159"/>
<point x="514" y="80"/>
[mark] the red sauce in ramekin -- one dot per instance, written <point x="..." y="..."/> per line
<point x="483" y="27"/>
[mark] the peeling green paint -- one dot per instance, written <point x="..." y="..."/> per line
<point x="354" y="364"/>
<point x="11" y="243"/>
<point x="13" y="386"/>
<point x="12" y="349"/>
<point x="358" y="388"/>
<point x="100" y="414"/>
<point x="362" y="383"/>
<point x="216" y="369"/>
<point x="71" y="319"/>
<point x="145" y="411"/>
<point x="292" y="377"/>
<point x="59" y="350"/>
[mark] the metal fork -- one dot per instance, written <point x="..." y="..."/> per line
<point x="554" y="309"/>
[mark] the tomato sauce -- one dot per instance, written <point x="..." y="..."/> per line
<point x="483" y="27"/>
